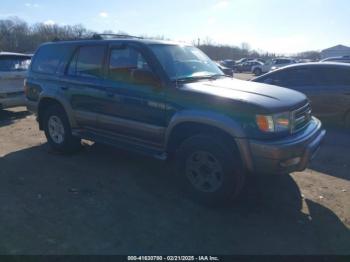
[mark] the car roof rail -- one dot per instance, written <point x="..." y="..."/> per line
<point x="98" y="37"/>
<point x="111" y="36"/>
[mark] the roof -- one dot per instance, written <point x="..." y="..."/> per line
<point x="337" y="47"/>
<point x="111" y="40"/>
<point x="315" y="64"/>
<point x="15" y="54"/>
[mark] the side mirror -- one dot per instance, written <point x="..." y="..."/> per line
<point x="145" y="77"/>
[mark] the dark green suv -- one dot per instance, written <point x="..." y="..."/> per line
<point x="169" y="100"/>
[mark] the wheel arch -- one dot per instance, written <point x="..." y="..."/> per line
<point x="48" y="101"/>
<point x="186" y="124"/>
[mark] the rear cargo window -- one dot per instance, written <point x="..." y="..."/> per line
<point x="49" y="57"/>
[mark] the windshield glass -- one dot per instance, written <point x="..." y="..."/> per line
<point x="181" y="62"/>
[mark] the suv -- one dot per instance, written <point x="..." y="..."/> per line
<point x="170" y="100"/>
<point x="13" y="68"/>
<point x="271" y="65"/>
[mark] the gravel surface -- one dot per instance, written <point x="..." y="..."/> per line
<point x="106" y="201"/>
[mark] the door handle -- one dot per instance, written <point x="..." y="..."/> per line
<point x="64" y="87"/>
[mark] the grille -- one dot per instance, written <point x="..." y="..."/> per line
<point x="301" y="117"/>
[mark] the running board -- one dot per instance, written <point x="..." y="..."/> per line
<point x="125" y="144"/>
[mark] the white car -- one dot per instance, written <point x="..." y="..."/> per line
<point x="13" y="69"/>
<point x="271" y="65"/>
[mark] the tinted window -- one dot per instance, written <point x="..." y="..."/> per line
<point x="291" y="78"/>
<point x="88" y="62"/>
<point x="49" y="57"/>
<point x="335" y="76"/>
<point x="123" y="61"/>
<point x="14" y="63"/>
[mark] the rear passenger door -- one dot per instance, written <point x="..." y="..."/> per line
<point x="334" y="91"/>
<point x="84" y="86"/>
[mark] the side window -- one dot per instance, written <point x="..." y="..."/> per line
<point x="299" y="77"/>
<point x="14" y="63"/>
<point x="336" y="76"/>
<point x="49" y="57"/>
<point x="277" y="78"/>
<point x="123" y="62"/>
<point x="87" y="62"/>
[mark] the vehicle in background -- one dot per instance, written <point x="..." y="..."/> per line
<point x="340" y="59"/>
<point x="327" y="85"/>
<point x="227" y="71"/>
<point x="272" y="64"/>
<point x="13" y="69"/>
<point x="165" y="99"/>
<point x="247" y="66"/>
<point x="229" y="63"/>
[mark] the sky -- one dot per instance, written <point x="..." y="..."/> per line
<point x="279" y="26"/>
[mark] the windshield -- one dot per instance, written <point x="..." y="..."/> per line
<point x="181" y="62"/>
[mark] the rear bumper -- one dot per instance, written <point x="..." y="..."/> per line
<point x="10" y="100"/>
<point x="289" y="154"/>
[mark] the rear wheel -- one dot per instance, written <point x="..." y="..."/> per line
<point x="257" y="71"/>
<point x="210" y="169"/>
<point x="58" y="131"/>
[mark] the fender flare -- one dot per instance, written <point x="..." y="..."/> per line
<point x="63" y="102"/>
<point x="217" y="120"/>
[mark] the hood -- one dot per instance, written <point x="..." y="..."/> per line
<point x="271" y="98"/>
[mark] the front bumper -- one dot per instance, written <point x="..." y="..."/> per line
<point x="289" y="154"/>
<point x="12" y="100"/>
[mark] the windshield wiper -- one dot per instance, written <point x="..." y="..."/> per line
<point x="195" y="78"/>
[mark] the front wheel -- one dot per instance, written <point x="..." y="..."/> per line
<point x="58" y="131"/>
<point x="210" y="169"/>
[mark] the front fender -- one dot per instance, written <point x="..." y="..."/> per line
<point x="222" y="122"/>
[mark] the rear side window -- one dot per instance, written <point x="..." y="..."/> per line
<point x="335" y="76"/>
<point x="49" y="57"/>
<point x="14" y="63"/>
<point x="88" y="62"/>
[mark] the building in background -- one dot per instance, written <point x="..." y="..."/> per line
<point x="338" y="50"/>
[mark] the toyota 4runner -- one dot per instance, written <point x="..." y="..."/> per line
<point x="170" y="100"/>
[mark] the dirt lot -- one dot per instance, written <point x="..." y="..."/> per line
<point x="105" y="201"/>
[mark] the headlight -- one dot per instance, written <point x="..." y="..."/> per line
<point x="274" y="123"/>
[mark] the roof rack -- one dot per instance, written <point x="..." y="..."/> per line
<point x="104" y="36"/>
<point x="98" y="37"/>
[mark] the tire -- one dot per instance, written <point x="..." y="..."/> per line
<point x="257" y="71"/>
<point x="210" y="169"/>
<point x="58" y="131"/>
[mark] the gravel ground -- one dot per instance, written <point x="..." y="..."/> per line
<point x="106" y="201"/>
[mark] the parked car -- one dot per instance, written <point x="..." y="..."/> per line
<point x="170" y="100"/>
<point x="326" y="84"/>
<point x="227" y="71"/>
<point x="272" y="64"/>
<point x="341" y="59"/>
<point x="228" y="63"/>
<point x="13" y="68"/>
<point x="247" y="66"/>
